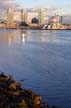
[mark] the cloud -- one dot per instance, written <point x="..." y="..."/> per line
<point x="5" y="5"/>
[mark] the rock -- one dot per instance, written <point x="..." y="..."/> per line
<point x="14" y="85"/>
<point x="15" y="93"/>
<point x="22" y="104"/>
<point x="2" y="75"/>
<point x="13" y="96"/>
<point x="37" y="100"/>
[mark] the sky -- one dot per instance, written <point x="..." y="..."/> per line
<point x="61" y="6"/>
<point x="53" y="6"/>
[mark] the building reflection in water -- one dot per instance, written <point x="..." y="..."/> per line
<point x="11" y="37"/>
<point x="23" y="36"/>
<point x="31" y="36"/>
<point x="7" y="37"/>
<point x="17" y="36"/>
<point x="40" y="36"/>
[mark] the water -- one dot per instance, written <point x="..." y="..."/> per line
<point x="42" y="59"/>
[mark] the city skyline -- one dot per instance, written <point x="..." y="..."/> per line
<point x="56" y="6"/>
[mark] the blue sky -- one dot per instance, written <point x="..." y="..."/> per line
<point x="59" y="5"/>
<point x="46" y="3"/>
<point x="64" y="5"/>
<point x="53" y="6"/>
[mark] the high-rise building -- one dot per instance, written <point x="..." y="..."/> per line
<point x="58" y="19"/>
<point x="66" y="19"/>
<point x="55" y="21"/>
<point x="41" y="16"/>
<point x="61" y="19"/>
<point x="10" y="18"/>
<point x="24" y="15"/>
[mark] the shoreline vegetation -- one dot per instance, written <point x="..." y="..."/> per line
<point x="12" y="95"/>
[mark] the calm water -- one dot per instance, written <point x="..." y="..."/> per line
<point x="42" y="59"/>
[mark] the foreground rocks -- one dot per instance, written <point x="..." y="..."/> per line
<point x="13" y="96"/>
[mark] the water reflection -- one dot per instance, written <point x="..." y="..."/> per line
<point x="11" y="37"/>
<point x="42" y="59"/>
<point x="7" y="37"/>
<point x="40" y="36"/>
<point x="23" y="36"/>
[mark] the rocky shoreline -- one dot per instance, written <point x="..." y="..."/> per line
<point x="12" y="95"/>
